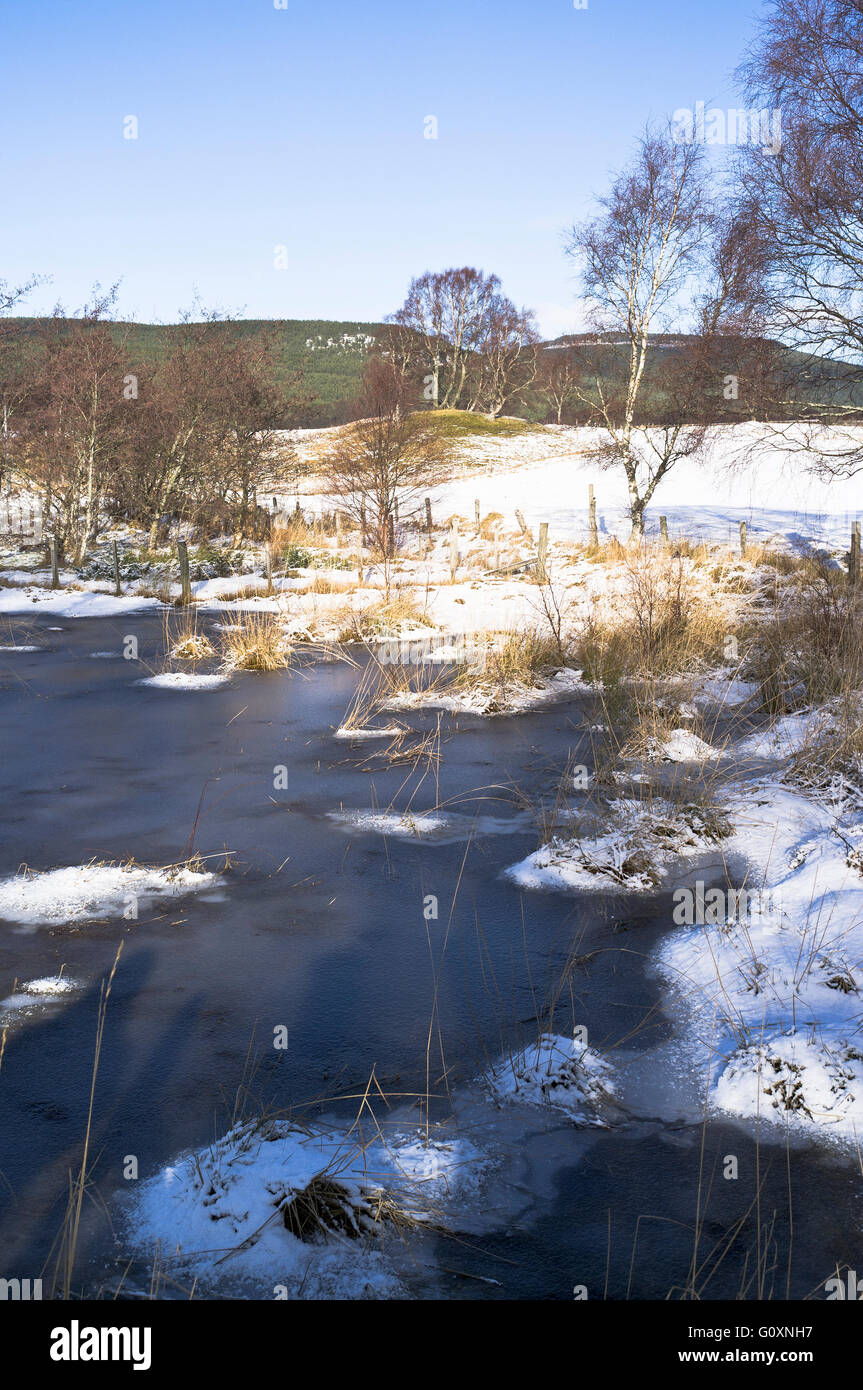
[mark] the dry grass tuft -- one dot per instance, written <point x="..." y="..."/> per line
<point x="259" y="645"/>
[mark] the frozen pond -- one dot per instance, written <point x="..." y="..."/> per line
<point x="318" y="928"/>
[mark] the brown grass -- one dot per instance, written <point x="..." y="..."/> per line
<point x="260" y="645"/>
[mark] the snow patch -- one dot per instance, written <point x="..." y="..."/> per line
<point x="91" y="891"/>
<point x="555" y="1071"/>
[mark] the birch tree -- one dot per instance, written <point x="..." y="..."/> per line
<point x="803" y="209"/>
<point x="636" y="260"/>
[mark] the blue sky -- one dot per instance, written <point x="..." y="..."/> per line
<point x="303" y="128"/>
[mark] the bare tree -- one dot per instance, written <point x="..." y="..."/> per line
<point x="11" y="294"/>
<point x="17" y="376"/>
<point x="257" y="406"/>
<point x="506" y="363"/>
<point x="463" y="339"/>
<point x="559" y="374"/>
<point x="636" y="259"/>
<point x="80" y="424"/>
<point x="391" y="455"/>
<point x="183" y="423"/>
<point x="803" y="208"/>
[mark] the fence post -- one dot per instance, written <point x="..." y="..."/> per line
<point x="55" y="567"/>
<point x="268" y="556"/>
<point x="743" y="538"/>
<point x="663" y="529"/>
<point x="185" y="580"/>
<point x="116" y="555"/>
<point x="542" y="552"/>
<point x="520" y="519"/>
<point x="854" y="556"/>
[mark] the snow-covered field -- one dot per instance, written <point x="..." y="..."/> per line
<point x="743" y="471"/>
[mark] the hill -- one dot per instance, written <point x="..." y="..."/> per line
<point x="331" y="353"/>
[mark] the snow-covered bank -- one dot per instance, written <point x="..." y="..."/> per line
<point x="768" y="994"/>
<point x="635" y="853"/>
<point x="71" y="603"/>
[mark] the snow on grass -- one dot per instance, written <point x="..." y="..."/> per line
<point x="798" y="1080"/>
<point x="555" y="1071"/>
<point x="643" y="838"/>
<point x="767" y="985"/>
<point x="725" y="689"/>
<point x="307" y="1208"/>
<point x="484" y="698"/>
<point x="185" y="680"/>
<point x="681" y="746"/>
<point x="92" y="891"/>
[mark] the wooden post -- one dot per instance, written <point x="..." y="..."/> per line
<point x="743" y="538"/>
<point x="663" y="529"/>
<point x="185" y="580"/>
<point x="594" y="529"/>
<point x="55" y="567"/>
<point x="476" y="514"/>
<point x="428" y="516"/>
<point x="453" y="549"/>
<point x="268" y="557"/>
<point x="520" y="519"/>
<point x="542" y="552"/>
<point x="854" y="556"/>
<point x="116" y="555"/>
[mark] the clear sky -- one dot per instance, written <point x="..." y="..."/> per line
<point x="303" y="127"/>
